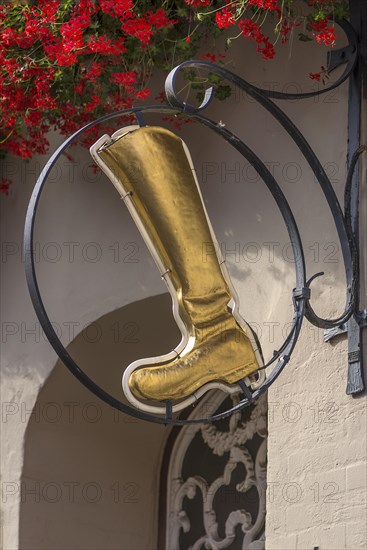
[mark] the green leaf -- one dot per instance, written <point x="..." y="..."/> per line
<point x="319" y="16"/>
<point x="304" y="37"/>
<point x="341" y="11"/>
<point x="181" y="12"/>
<point x="222" y="92"/>
<point x="214" y="78"/>
<point x="196" y="85"/>
<point x="58" y="75"/>
<point x="94" y="24"/>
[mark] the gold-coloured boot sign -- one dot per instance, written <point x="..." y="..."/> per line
<point x="153" y="172"/>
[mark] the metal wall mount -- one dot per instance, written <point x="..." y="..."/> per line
<point x="346" y="223"/>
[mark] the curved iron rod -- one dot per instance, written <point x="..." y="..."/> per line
<point x="349" y="249"/>
<point x="353" y="46"/>
<point x="300" y="295"/>
<point x="281" y="202"/>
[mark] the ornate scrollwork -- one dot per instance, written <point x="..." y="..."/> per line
<point x="232" y="506"/>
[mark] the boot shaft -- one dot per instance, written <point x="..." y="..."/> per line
<point x="153" y="167"/>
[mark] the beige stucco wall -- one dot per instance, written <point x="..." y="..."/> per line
<point x="92" y="261"/>
<point x="316" y="494"/>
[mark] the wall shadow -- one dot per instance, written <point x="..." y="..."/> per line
<point x="90" y="475"/>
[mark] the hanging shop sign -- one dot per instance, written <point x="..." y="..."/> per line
<point x="153" y="172"/>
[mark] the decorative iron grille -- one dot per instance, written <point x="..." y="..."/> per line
<point x="217" y="480"/>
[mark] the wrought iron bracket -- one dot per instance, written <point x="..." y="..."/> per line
<point x="331" y="333"/>
<point x="346" y="224"/>
<point x="336" y="58"/>
<point x="358" y="17"/>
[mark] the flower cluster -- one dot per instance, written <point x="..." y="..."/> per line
<point x="248" y="17"/>
<point x="251" y="30"/>
<point x="323" y="32"/>
<point x="66" y="62"/>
